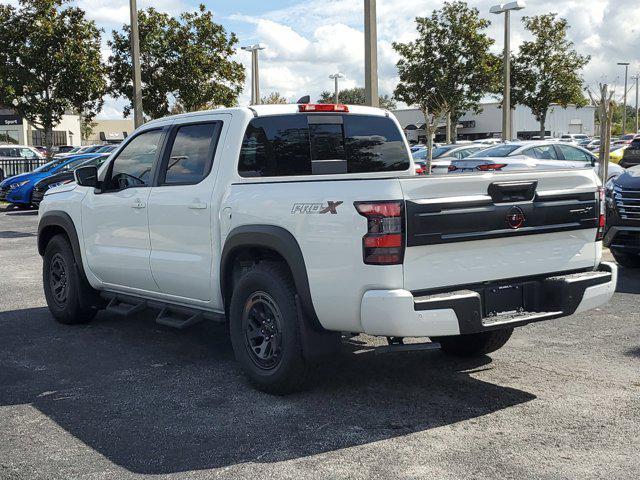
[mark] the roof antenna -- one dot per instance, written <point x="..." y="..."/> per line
<point x="305" y="99"/>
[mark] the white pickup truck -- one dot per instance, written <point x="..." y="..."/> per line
<point x="294" y="223"/>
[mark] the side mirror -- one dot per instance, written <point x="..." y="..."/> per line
<point x="86" y="176"/>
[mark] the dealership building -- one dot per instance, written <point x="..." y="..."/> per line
<point x="488" y="123"/>
<point x="18" y="131"/>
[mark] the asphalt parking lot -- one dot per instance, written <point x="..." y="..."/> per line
<point x="125" y="397"/>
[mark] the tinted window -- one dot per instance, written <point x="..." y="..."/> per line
<point x="276" y="146"/>
<point x="191" y="153"/>
<point x="132" y="167"/>
<point x="8" y="152"/>
<point x="316" y="144"/>
<point x="499" y="151"/>
<point x="374" y="144"/>
<point x="570" y="153"/>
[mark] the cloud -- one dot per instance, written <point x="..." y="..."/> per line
<point x="311" y="39"/>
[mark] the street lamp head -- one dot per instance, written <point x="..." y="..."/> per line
<point x="336" y="75"/>
<point x="255" y="46"/>
<point x="624" y="63"/>
<point x="505" y="7"/>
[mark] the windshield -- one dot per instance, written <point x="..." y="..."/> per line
<point x="49" y="166"/>
<point x="499" y="151"/>
<point x="73" y="164"/>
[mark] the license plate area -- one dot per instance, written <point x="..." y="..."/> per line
<point x="503" y="300"/>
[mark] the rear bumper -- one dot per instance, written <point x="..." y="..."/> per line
<point x="398" y="313"/>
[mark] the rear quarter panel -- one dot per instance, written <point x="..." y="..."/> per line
<point x="331" y="243"/>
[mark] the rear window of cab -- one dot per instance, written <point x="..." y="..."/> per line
<point x="321" y="144"/>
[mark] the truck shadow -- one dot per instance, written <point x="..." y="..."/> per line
<point x="158" y="401"/>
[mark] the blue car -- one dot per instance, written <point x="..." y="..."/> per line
<point x="18" y="189"/>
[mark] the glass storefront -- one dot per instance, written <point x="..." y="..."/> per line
<point x="9" y="137"/>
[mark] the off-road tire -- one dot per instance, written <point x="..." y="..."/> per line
<point x="268" y="289"/>
<point x="75" y="301"/>
<point x="474" y="344"/>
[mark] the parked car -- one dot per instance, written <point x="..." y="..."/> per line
<point x="631" y="154"/>
<point x="294" y="223"/>
<point x="574" y="137"/>
<point x="616" y="152"/>
<point x="63" y="148"/>
<point x="593" y="145"/>
<point x="64" y="176"/>
<point x="79" y="150"/>
<point x="622" y="234"/>
<point x="625" y="139"/>
<point x="443" y="155"/>
<point x="488" y="141"/>
<point x="530" y="155"/>
<point x="106" y="149"/>
<point x="9" y="154"/>
<point x="17" y="189"/>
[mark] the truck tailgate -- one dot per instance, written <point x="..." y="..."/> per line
<point x="468" y="229"/>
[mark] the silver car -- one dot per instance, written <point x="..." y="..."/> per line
<point x="445" y="154"/>
<point x="531" y="155"/>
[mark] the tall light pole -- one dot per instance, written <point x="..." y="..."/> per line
<point x="255" y="75"/>
<point x="636" y="78"/>
<point x="624" y="107"/>
<point x="506" y="8"/>
<point x="138" y="118"/>
<point x="370" y="54"/>
<point x="335" y="77"/>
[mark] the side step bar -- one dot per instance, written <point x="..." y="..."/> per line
<point x="174" y="316"/>
<point x="179" y="318"/>
<point x="125" y="306"/>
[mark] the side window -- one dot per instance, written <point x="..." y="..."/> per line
<point x="464" y="153"/>
<point x="543" y="152"/>
<point x="276" y="146"/>
<point x="133" y="166"/>
<point x="191" y="155"/>
<point x="27" y="153"/>
<point x="574" y="154"/>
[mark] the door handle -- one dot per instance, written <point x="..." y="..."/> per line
<point x="197" y="206"/>
<point x="138" y="204"/>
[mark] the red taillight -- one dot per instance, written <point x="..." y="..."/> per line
<point x="323" y="107"/>
<point x="602" y="221"/>
<point x="491" y="167"/>
<point x="384" y="242"/>
<point x="420" y="170"/>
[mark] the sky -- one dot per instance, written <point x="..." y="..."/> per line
<point x="307" y="40"/>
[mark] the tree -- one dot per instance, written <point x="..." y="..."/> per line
<point x="355" y="96"/>
<point x="50" y="63"/>
<point x="86" y="127"/>
<point x="274" y="98"/>
<point x="546" y="70"/>
<point x="449" y="60"/>
<point x="185" y="60"/>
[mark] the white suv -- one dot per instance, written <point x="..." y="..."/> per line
<point x="294" y="223"/>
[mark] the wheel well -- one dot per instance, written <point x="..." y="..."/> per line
<point x="46" y="234"/>
<point x="240" y="261"/>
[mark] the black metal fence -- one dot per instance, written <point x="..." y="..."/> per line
<point x="11" y="167"/>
